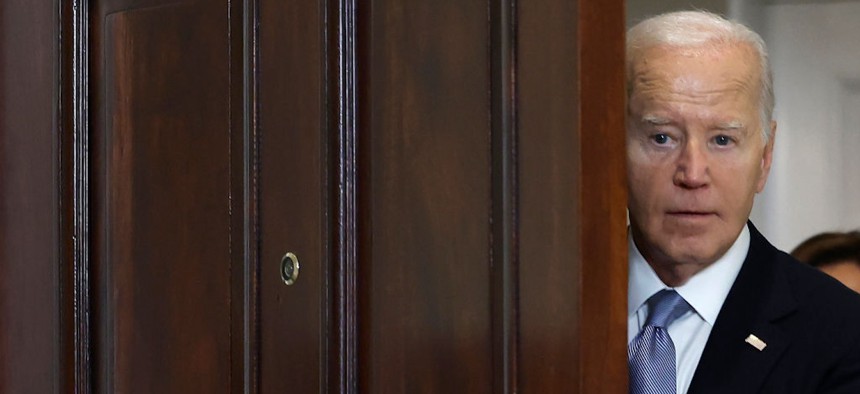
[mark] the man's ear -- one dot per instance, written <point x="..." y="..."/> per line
<point x="766" y="158"/>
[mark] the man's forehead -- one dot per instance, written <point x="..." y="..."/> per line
<point x="708" y="70"/>
<point x="716" y="56"/>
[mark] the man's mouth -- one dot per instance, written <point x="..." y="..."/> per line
<point x="691" y="214"/>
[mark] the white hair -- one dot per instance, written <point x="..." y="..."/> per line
<point x="698" y="29"/>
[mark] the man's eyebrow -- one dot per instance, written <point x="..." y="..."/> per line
<point x="730" y="125"/>
<point x="655" y="120"/>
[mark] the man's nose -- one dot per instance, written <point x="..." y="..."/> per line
<point x="692" y="167"/>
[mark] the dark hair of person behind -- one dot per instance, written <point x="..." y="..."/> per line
<point x="828" y="248"/>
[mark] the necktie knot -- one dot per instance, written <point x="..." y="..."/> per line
<point x="664" y="307"/>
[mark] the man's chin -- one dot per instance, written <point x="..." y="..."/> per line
<point x="689" y="228"/>
<point x="698" y="257"/>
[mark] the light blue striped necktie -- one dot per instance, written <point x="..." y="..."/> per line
<point x="651" y="355"/>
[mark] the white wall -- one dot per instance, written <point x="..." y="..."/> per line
<point x="638" y="10"/>
<point x="750" y="13"/>
<point x="815" y="180"/>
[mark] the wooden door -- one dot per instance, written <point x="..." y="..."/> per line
<point x="449" y="174"/>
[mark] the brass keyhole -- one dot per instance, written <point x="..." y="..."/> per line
<point x="290" y="268"/>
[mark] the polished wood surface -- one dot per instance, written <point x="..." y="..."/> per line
<point x="553" y="199"/>
<point x="166" y="229"/>
<point x="603" y="187"/>
<point x="450" y="175"/>
<point x="549" y="111"/>
<point x="572" y="232"/>
<point x="426" y="284"/>
<point x="293" y="200"/>
<point x="31" y="248"/>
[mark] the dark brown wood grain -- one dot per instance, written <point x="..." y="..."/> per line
<point x="449" y="173"/>
<point x="244" y="191"/>
<point x="549" y="105"/>
<point x="603" y="188"/>
<point x="505" y="196"/>
<point x="32" y="348"/>
<point x="348" y="167"/>
<point x="427" y="319"/>
<point x="76" y="293"/>
<point x="293" y="197"/>
<point x="572" y="207"/>
<point x="166" y="265"/>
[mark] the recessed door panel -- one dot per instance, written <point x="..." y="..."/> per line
<point x="166" y="267"/>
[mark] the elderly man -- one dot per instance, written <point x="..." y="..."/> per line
<point x="713" y="307"/>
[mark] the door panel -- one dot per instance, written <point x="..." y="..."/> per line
<point x="549" y="117"/>
<point x="293" y="199"/>
<point x="166" y="311"/>
<point x="427" y="283"/>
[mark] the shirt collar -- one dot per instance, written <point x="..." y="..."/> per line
<point x="705" y="291"/>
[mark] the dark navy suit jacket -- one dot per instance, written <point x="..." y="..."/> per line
<point x="809" y="321"/>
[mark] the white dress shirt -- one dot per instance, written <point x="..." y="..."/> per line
<point x="705" y="292"/>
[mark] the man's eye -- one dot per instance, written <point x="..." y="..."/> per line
<point x="722" y="140"/>
<point x="660" y="139"/>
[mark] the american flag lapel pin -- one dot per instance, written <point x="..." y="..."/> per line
<point x="755" y="342"/>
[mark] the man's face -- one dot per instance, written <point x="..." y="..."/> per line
<point x="695" y="154"/>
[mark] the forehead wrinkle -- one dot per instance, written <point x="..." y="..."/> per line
<point x="689" y="88"/>
<point x="677" y="86"/>
<point x="670" y="104"/>
<point x="729" y="85"/>
<point x="649" y="74"/>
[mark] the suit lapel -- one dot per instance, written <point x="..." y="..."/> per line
<point x="760" y="296"/>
